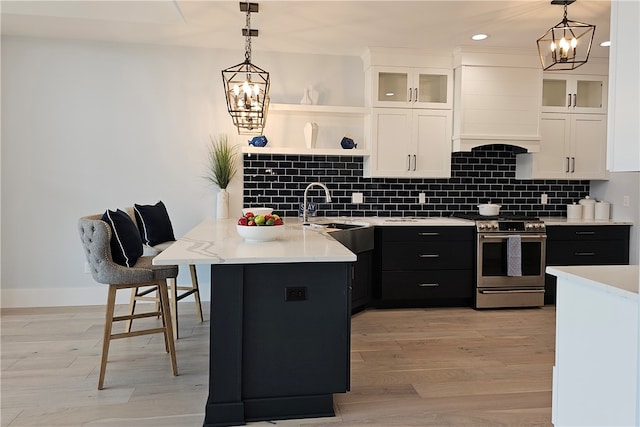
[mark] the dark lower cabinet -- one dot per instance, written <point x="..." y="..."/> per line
<point x="361" y="281"/>
<point x="584" y="245"/>
<point x="279" y="342"/>
<point x="423" y="266"/>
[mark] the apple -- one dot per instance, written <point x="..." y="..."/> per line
<point x="259" y="220"/>
<point x="243" y="221"/>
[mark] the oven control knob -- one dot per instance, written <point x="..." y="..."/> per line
<point x="481" y="226"/>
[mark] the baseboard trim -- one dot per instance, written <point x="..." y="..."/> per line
<point x="61" y="297"/>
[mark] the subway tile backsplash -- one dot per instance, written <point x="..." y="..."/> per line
<point x="485" y="174"/>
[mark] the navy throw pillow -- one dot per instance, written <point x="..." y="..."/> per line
<point x="126" y="246"/>
<point x="154" y="223"/>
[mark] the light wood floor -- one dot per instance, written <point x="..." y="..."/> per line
<point x="410" y="367"/>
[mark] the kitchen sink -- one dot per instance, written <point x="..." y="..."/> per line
<point x="356" y="237"/>
<point x="339" y="225"/>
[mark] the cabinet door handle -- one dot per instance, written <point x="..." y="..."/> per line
<point x="585" y="233"/>
<point x="567" y="169"/>
<point x="428" y="285"/>
<point x="415" y="162"/>
<point x="573" y="164"/>
<point x="408" y="162"/>
<point x="410" y="95"/>
<point x="428" y="233"/>
<point x="569" y="101"/>
<point x="415" y="94"/>
<point x="429" y="255"/>
<point x="575" y="98"/>
<point x="584" y="253"/>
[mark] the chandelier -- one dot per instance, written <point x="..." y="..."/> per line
<point x="566" y="45"/>
<point x="246" y="86"/>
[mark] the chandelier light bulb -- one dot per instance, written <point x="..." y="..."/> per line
<point x="236" y="90"/>
<point x="574" y="42"/>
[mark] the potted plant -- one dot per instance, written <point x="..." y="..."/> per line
<point x="222" y="169"/>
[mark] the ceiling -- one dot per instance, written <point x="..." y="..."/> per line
<point x="320" y="27"/>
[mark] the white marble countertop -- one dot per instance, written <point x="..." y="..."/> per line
<point x="217" y="242"/>
<point x="621" y="280"/>
<point x="559" y="220"/>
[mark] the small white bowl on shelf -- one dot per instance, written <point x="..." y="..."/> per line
<point x="257" y="210"/>
<point x="260" y="233"/>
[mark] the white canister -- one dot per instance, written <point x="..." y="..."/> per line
<point x="574" y="212"/>
<point x="603" y="210"/>
<point x="588" y="207"/>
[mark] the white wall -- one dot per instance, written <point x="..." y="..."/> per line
<point x="622" y="184"/>
<point x="88" y="126"/>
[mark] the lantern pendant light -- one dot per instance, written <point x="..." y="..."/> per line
<point x="566" y="45"/>
<point x="246" y="86"/>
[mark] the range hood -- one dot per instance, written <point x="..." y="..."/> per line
<point x="468" y="143"/>
<point x="497" y="98"/>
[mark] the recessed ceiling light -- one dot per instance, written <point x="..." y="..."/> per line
<point x="606" y="44"/>
<point x="479" y="36"/>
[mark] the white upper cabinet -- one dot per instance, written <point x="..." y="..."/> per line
<point x="570" y="93"/>
<point x="411" y="94"/>
<point x="624" y="98"/>
<point x="409" y="143"/>
<point x="411" y="87"/>
<point x="573" y="146"/>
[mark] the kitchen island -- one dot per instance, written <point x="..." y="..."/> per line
<point x="596" y="367"/>
<point x="280" y="321"/>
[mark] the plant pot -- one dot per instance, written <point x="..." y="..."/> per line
<point x="222" y="204"/>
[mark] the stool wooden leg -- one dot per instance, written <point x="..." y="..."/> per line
<point x="168" y="330"/>
<point x="132" y="309"/>
<point x="173" y="300"/>
<point x="196" y="294"/>
<point x="111" y="305"/>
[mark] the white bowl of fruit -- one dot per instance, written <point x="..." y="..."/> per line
<point x="260" y="228"/>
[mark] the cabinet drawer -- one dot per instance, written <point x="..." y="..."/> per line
<point x="427" y="255"/>
<point x="579" y="232"/>
<point x="420" y="234"/>
<point x="411" y="285"/>
<point x="591" y="252"/>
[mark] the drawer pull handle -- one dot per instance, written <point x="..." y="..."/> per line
<point x="429" y="255"/>
<point x="427" y="233"/>
<point x="584" y="253"/>
<point x="428" y="285"/>
<point x="585" y="233"/>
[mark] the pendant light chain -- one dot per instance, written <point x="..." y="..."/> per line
<point x="247" y="46"/>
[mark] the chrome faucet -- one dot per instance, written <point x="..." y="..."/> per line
<point x="304" y="201"/>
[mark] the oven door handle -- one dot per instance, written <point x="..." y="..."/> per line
<point x="523" y="236"/>
<point x="513" y="291"/>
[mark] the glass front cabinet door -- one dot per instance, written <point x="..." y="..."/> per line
<point x="411" y="87"/>
<point x="574" y="94"/>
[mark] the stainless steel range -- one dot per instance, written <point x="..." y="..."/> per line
<point x="510" y="262"/>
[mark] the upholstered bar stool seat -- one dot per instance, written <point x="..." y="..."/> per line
<point x="98" y="239"/>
